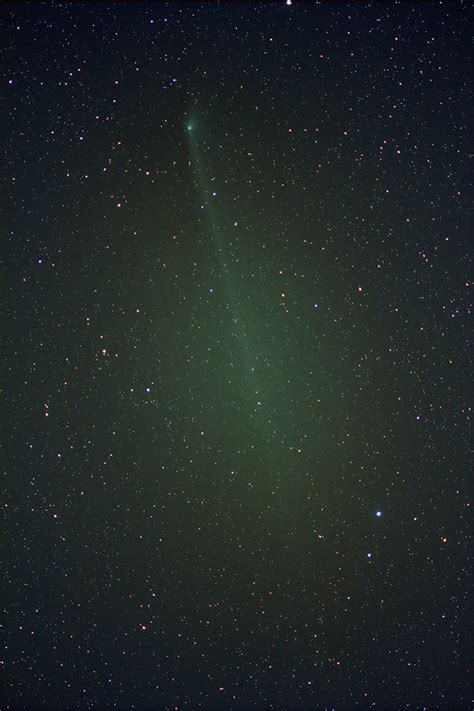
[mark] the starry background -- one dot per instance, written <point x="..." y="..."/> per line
<point x="237" y="339"/>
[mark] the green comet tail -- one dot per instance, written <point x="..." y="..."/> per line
<point x="224" y="261"/>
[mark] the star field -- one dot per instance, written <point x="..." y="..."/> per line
<point x="237" y="301"/>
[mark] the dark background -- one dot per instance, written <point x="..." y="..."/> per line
<point x="210" y="397"/>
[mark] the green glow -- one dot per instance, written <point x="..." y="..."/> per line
<point x="242" y="327"/>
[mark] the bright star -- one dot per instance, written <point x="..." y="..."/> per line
<point x="378" y="514"/>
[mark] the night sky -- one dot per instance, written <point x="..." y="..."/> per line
<point x="237" y="343"/>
